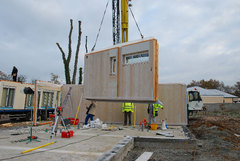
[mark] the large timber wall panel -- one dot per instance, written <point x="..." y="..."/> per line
<point x="173" y="97"/>
<point x="126" y="72"/>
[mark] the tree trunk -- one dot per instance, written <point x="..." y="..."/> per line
<point x="77" y="52"/>
<point x="80" y="75"/>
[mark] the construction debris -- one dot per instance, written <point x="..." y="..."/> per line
<point x="165" y="133"/>
<point x="95" y="124"/>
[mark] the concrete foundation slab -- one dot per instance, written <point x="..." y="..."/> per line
<point x="86" y="144"/>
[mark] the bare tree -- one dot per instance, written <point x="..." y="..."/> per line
<point x="22" y="78"/>
<point x="5" y="76"/>
<point x="54" y="78"/>
<point x="237" y="89"/>
<point x="66" y="61"/>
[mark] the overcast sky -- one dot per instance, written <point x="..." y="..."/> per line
<point x="198" y="39"/>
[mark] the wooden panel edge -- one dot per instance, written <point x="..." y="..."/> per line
<point x="118" y="61"/>
<point x="156" y="70"/>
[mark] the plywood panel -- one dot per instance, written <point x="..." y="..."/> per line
<point x="131" y="82"/>
<point x="172" y="95"/>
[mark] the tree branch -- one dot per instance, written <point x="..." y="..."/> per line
<point x="63" y="54"/>
<point x="86" y="45"/>
<point x="70" y="42"/>
<point x="66" y="65"/>
<point x="77" y="52"/>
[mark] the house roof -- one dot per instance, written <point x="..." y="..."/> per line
<point x="211" y="92"/>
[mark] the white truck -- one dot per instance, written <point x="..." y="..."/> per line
<point x="195" y="102"/>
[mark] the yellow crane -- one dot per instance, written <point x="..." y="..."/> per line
<point x="124" y="20"/>
<point x="116" y="21"/>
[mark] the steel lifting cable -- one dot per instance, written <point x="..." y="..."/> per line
<point x="100" y="26"/>
<point x="136" y="23"/>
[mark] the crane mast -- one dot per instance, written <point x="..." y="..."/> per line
<point x="124" y="20"/>
<point x="116" y="21"/>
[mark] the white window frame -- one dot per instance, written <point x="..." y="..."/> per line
<point x="137" y="56"/>
<point x="113" y="65"/>
<point x="7" y="102"/>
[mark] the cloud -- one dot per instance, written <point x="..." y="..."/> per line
<point x="197" y="39"/>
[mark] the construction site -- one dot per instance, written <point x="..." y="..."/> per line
<point x="120" y="112"/>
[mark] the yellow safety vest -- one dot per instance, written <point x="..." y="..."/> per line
<point x="127" y="107"/>
<point x="155" y="108"/>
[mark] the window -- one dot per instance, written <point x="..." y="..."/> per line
<point x="194" y="96"/>
<point x="113" y="65"/>
<point x="29" y="100"/>
<point x="136" y="58"/>
<point x="8" y="97"/>
<point x="47" y="99"/>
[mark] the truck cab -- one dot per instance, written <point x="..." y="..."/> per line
<point x="195" y="102"/>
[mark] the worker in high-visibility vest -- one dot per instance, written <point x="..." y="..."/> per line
<point x="153" y="112"/>
<point x="127" y="108"/>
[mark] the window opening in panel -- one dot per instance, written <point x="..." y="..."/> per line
<point x="136" y="58"/>
<point x="113" y="65"/>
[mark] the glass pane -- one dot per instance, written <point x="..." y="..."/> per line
<point x="11" y="97"/>
<point x="4" y="97"/>
<point x="50" y="100"/>
<point x="145" y="55"/>
<point x="26" y="100"/>
<point x="137" y="58"/>
<point x="191" y="97"/>
<point x="113" y="68"/>
<point x="128" y="58"/>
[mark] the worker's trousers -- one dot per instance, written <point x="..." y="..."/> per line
<point x="151" y="118"/>
<point x="87" y="117"/>
<point x="127" y="114"/>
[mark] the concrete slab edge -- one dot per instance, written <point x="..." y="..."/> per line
<point x="188" y="133"/>
<point x="119" y="151"/>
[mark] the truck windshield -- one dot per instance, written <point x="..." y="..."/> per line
<point x="194" y="96"/>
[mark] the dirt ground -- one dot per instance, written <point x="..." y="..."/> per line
<point x="216" y="135"/>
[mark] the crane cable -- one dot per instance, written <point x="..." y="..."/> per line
<point x="100" y="26"/>
<point x="136" y="23"/>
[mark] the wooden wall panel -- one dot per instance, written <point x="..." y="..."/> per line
<point x="173" y="97"/>
<point x="132" y="82"/>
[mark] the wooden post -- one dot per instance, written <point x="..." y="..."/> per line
<point x="35" y="104"/>
<point x="57" y="99"/>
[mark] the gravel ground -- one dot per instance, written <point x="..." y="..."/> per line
<point x="216" y="138"/>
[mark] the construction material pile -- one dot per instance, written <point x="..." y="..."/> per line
<point x="95" y="124"/>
